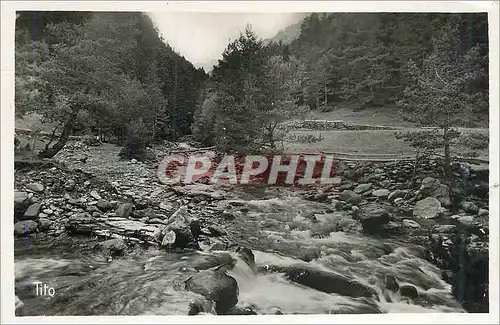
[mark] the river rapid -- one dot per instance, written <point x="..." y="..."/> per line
<point x="303" y="265"/>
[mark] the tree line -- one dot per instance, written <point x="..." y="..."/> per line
<point x="363" y="58"/>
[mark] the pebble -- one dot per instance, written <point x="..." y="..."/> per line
<point x="398" y="201"/>
<point x="42" y="215"/>
<point x="408" y="223"/>
<point x="95" y="195"/>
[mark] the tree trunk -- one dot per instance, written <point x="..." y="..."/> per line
<point x="63" y="138"/>
<point x="447" y="158"/>
<point x="326" y="92"/>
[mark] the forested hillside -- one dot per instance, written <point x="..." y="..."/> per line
<point x="103" y="73"/>
<point x="362" y="58"/>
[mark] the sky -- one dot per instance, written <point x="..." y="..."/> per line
<point x="202" y="37"/>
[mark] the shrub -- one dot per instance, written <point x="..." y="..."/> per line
<point x="138" y="139"/>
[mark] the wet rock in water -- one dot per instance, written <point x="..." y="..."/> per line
<point x="328" y="282"/>
<point x="240" y="310"/>
<point x="168" y="238"/>
<point x="247" y="255"/>
<point x="105" y="205"/>
<point x="427" y="208"/>
<point x="409" y="291"/>
<point x="373" y="217"/>
<point x="276" y="311"/>
<point x="44" y="224"/>
<point x="35" y="187"/>
<point x="95" y="195"/>
<point x="23" y="227"/>
<point x="432" y="187"/>
<point x="216" y="286"/>
<point x="32" y="212"/>
<point x="216" y="231"/>
<point x="469" y="207"/>
<point x="483" y="213"/>
<point x="185" y="239"/>
<point x="349" y="225"/>
<point x="112" y="247"/>
<point x="391" y="283"/>
<point x="201" y="305"/>
<point x="124" y="210"/>
<point x="381" y="193"/>
<point x="179" y="234"/>
<point x="350" y="197"/>
<point x="81" y="224"/>
<point x="195" y="228"/>
<point x="362" y="188"/>
<point x="408" y="223"/>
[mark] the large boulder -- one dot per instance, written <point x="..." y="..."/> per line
<point x="409" y="291"/>
<point x="328" y="282"/>
<point x="391" y="283"/>
<point x="180" y="232"/>
<point x="372" y="217"/>
<point x="23" y="227"/>
<point x="427" y="208"/>
<point x="350" y="197"/>
<point x="216" y="286"/>
<point x="32" y="212"/>
<point x="432" y="187"/>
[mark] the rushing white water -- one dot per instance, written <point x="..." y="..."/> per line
<point x="283" y="237"/>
